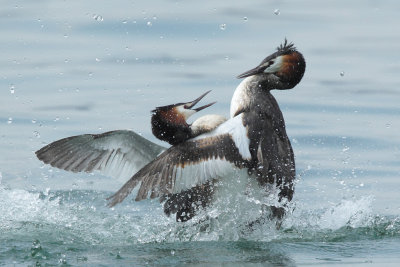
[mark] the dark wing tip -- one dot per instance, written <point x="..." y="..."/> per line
<point x="112" y="201"/>
<point x="116" y="199"/>
<point x="43" y="156"/>
<point x="125" y="190"/>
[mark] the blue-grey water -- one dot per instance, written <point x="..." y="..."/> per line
<point x="74" y="67"/>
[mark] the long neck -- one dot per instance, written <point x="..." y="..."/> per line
<point x="246" y="93"/>
<point x="169" y="130"/>
<point x="254" y="96"/>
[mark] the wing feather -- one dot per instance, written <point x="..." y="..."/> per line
<point x="194" y="162"/>
<point x="116" y="153"/>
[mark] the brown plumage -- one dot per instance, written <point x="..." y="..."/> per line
<point x="254" y="138"/>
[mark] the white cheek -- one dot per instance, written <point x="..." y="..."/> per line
<point x="185" y="112"/>
<point x="274" y="67"/>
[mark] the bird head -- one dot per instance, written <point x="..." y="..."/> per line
<point x="281" y="70"/>
<point x="180" y="112"/>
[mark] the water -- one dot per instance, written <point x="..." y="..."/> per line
<point x="72" y="68"/>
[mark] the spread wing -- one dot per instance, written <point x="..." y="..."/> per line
<point x="194" y="162"/>
<point x="116" y="153"/>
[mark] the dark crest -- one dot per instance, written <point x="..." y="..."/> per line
<point x="286" y="48"/>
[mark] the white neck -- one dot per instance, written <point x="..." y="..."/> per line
<point x="241" y="97"/>
<point x="185" y="112"/>
<point x="206" y="123"/>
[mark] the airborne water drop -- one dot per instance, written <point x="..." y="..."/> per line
<point x="97" y="17"/>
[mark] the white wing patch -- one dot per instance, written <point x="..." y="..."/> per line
<point x="235" y="128"/>
<point x="195" y="174"/>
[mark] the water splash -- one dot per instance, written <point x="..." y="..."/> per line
<point x="82" y="217"/>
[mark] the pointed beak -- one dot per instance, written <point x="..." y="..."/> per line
<point x="248" y="73"/>
<point x="189" y="105"/>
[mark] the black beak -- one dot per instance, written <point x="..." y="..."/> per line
<point x="189" y="105"/>
<point x="248" y="73"/>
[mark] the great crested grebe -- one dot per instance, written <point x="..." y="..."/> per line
<point x="253" y="138"/>
<point x="169" y="123"/>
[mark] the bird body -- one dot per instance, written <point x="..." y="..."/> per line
<point x="254" y="139"/>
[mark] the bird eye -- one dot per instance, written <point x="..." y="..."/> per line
<point x="271" y="62"/>
<point x="185" y="106"/>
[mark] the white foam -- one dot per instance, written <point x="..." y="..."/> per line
<point x="348" y="212"/>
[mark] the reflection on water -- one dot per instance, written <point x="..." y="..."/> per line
<point x="73" y="68"/>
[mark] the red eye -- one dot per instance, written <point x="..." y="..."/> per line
<point x="185" y="107"/>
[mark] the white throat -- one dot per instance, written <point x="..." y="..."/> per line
<point x="185" y="111"/>
<point x="241" y="97"/>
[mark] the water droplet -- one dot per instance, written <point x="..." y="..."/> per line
<point x="36" y="248"/>
<point x="97" y="17"/>
<point x="65" y="35"/>
<point x="57" y="119"/>
<point x="155" y="17"/>
<point x="34" y="121"/>
<point x="345" y="149"/>
<point x="342" y="73"/>
<point x="98" y="59"/>
<point x="36" y="134"/>
<point x="10" y="120"/>
<point x="388" y="125"/>
<point x="222" y="26"/>
<point x="277" y="12"/>
<point x="172" y="252"/>
<point x="124" y="21"/>
<point x="361" y="184"/>
<point x="245" y="19"/>
<point x="63" y="259"/>
<point x="12" y="89"/>
<point x="149" y="24"/>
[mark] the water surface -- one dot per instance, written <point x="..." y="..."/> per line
<point x="73" y="68"/>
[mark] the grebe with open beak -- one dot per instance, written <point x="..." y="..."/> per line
<point x="169" y="123"/>
<point x="254" y="138"/>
